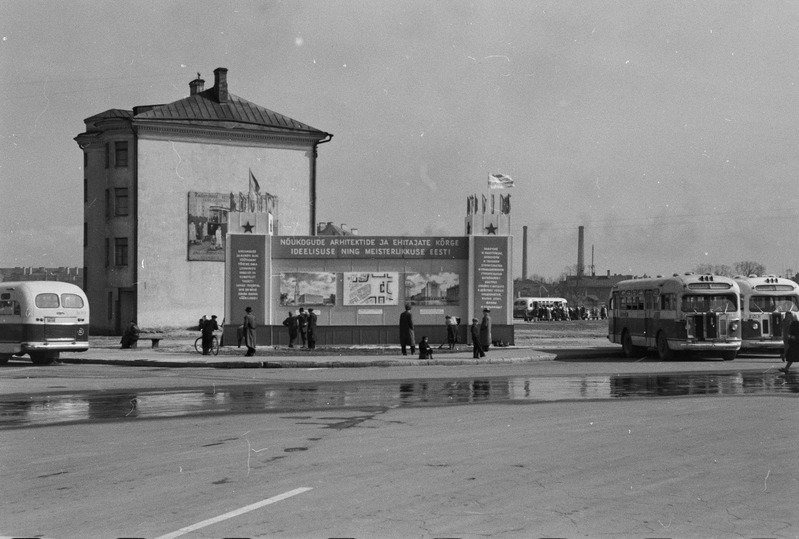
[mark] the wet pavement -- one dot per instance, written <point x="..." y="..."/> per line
<point x="272" y="397"/>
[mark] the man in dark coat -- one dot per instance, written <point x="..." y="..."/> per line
<point x="131" y="335"/>
<point x="249" y="331"/>
<point x="311" y="329"/>
<point x="477" y="347"/>
<point x="485" y="331"/>
<point x="407" y="337"/>
<point x="292" y="323"/>
<point x="792" y="350"/>
<point x="208" y="328"/>
<point x="302" y="323"/>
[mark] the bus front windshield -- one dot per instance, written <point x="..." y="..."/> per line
<point x="721" y="303"/>
<point x="770" y="304"/>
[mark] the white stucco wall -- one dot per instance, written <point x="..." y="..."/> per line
<point x="172" y="291"/>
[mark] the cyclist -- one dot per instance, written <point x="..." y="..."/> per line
<point x="208" y="329"/>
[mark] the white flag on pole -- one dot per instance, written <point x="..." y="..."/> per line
<point x="499" y="181"/>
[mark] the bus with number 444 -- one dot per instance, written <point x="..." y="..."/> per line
<point x="675" y="315"/>
<point x="765" y="300"/>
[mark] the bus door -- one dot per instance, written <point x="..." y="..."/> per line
<point x="613" y="314"/>
<point x="650" y="330"/>
<point x="694" y="326"/>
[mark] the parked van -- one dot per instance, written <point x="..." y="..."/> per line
<point x="527" y="308"/>
<point x="42" y="319"/>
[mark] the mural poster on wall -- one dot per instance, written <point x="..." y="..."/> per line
<point x="308" y="288"/>
<point x="208" y="220"/>
<point x="432" y="288"/>
<point x="371" y="288"/>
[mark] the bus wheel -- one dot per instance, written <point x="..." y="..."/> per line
<point x="44" y="358"/>
<point x="627" y="345"/>
<point x="729" y="356"/>
<point x="664" y="352"/>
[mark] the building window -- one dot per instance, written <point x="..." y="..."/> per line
<point x="85" y="160"/>
<point x="121" y="201"/>
<point x="121" y="154"/>
<point x="107" y="155"/>
<point x="85" y="190"/>
<point x="85" y="234"/>
<point x="110" y="305"/>
<point x="85" y="278"/>
<point x="120" y="251"/>
<point x="107" y="203"/>
<point x="107" y="252"/>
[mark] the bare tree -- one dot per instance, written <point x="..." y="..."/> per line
<point x="748" y="267"/>
<point x="715" y="269"/>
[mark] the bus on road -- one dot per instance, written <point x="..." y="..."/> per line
<point x="42" y="319"/>
<point x="681" y="313"/>
<point x="764" y="302"/>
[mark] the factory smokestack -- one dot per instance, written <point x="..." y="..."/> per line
<point x="524" y="253"/>
<point x="580" y="255"/>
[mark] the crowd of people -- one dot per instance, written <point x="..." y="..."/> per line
<point x="559" y="313"/>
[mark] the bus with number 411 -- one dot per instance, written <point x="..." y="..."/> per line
<point x="677" y="314"/>
<point x="764" y="302"/>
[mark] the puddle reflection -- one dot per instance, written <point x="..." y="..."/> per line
<point x="50" y="410"/>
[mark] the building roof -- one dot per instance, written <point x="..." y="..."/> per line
<point x="212" y="108"/>
<point x="203" y="107"/>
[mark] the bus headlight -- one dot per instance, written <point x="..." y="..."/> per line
<point x="734" y="326"/>
<point x="755" y="325"/>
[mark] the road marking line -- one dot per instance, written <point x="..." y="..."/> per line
<point x="235" y="513"/>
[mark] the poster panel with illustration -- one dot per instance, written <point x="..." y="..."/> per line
<point x="371" y="288"/>
<point x="432" y="288"/>
<point x="307" y="288"/>
<point x="208" y="220"/>
<point x="207" y="225"/>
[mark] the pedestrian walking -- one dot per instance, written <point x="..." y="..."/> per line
<point x="477" y="347"/>
<point x="407" y="337"/>
<point x="485" y="330"/>
<point x="786" y="326"/>
<point x="249" y="332"/>
<point x="425" y="351"/>
<point x="292" y="324"/>
<point x="792" y="350"/>
<point x="452" y="331"/>
<point x="311" y="329"/>
<point x="208" y="328"/>
<point x="302" y="324"/>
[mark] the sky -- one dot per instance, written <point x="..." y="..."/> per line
<point x="667" y="129"/>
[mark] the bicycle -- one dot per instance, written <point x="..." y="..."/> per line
<point x="198" y="345"/>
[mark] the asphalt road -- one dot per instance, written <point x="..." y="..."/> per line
<point x="720" y="466"/>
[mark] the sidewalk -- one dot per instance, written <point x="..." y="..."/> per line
<point x="179" y="352"/>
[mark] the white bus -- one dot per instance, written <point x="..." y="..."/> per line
<point x="676" y="314"/>
<point x="528" y="307"/>
<point x="764" y="302"/>
<point x="42" y="319"/>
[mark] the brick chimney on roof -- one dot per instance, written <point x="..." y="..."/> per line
<point x="220" y="84"/>
<point x="196" y="86"/>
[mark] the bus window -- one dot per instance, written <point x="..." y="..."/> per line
<point x="9" y="307"/>
<point x="47" y="301"/>
<point x="667" y="302"/>
<point x="71" y="301"/>
<point x="768" y="304"/>
<point x="708" y="303"/>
